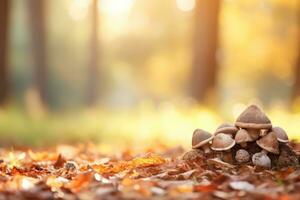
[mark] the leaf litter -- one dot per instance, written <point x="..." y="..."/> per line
<point x="87" y="173"/>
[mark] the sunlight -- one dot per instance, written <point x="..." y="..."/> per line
<point x="79" y="9"/>
<point x="185" y="5"/>
<point x="237" y="109"/>
<point x="115" y="7"/>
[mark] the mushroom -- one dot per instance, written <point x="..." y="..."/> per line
<point x="254" y="133"/>
<point x="269" y="143"/>
<point x="261" y="159"/>
<point x="226" y="128"/>
<point x="201" y="139"/>
<point x="281" y="134"/>
<point x="222" y="142"/>
<point x="242" y="137"/>
<point x="193" y="155"/>
<point x="253" y="119"/>
<point x="242" y="156"/>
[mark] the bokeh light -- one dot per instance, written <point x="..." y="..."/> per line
<point x="115" y="7"/>
<point x="185" y="5"/>
<point x="78" y="9"/>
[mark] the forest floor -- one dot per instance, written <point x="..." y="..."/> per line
<point x="84" y="172"/>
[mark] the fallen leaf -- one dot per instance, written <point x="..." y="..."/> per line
<point x="205" y="188"/>
<point x="241" y="185"/>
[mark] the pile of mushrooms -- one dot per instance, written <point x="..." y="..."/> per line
<point x="252" y="140"/>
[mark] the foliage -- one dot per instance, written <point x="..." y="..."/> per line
<point x="85" y="172"/>
<point x="147" y="52"/>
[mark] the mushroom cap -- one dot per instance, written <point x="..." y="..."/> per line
<point x="222" y="142"/>
<point x="253" y="118"/>
<point x="261" y="159"/>
<point x="200" y="138"/>
<point x="281" y="134"/>
<point x="242" y="156"/>
<point x="269" y="143"/>
<point x="226" y="128"/>
<point x="242" y="136"/>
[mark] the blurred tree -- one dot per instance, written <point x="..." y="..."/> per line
<point x="296" y="92"/>
<point x="204" y="67"/>
<point x="38" y="35"/>
<point x="93" y="72"/>
<point x="4" y="80"/>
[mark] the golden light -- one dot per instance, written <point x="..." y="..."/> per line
<point x="238" y="109"/>
<point x="185" y="5"/>
<point x="79" y="9"/>
<point x="115" y="7"/>
<point x="27" y="183"/>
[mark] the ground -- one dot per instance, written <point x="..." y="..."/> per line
<point x="85" y="172"/>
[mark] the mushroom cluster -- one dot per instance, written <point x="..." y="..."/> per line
<point x="252" y="140"/>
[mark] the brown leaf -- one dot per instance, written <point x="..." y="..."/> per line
<point x="59" y="163"/>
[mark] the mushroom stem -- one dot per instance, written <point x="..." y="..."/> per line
<point x="264" y="151"/>
<point x="254" y="133"/>
<point x="226" y="156"/>
<point x="243" y="144"/>
<point x="206" y="148"/>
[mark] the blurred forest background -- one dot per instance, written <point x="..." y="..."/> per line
<point x="126" y="71"/>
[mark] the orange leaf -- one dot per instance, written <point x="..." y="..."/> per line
<point x="148" y="161"/>
<point x="79" y="182"/>
<point x="205" y="188"/>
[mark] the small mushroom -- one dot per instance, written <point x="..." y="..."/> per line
<point x="193" y="155"/>
<point x="227" y="129"/>
<point x="222" y="142"/>
<point x="281" y="134"/>
<point x="261" y="159"/>
<point x="242" y="137"/>
<point x="269" y="143"/>
<point x="253" y="118"/>
<point x="254" y="133"/>
<point x="201" y="139"/>
<point x="242" y="156"/>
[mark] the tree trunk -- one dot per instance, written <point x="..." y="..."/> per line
<point x="4" y="75"/>
<point x="38" y="35"/>
<point x="296" y="89"/>
<point x="93" y="71"/>
<point x="204" y="68"/>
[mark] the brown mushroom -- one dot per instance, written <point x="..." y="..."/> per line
<point x="281" y="134"/>
<point x="222" y="142"/>
<point x="261" y="159"/>
<point x="269" y="143"/>
<point x="226" y="128"/>
<point x="193" y="155"/>
<point x="253" y="118"/>
<point x="242" y="156"/>
<point x="201" y="139"/>
<point x="242" y="137"/>
<point x="254" y="133"/>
